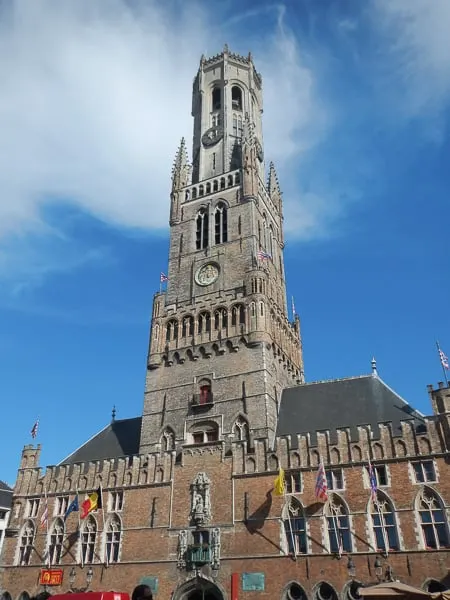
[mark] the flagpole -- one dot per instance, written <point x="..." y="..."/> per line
<point x="290" y="522"/>
<point x="442" y="364"/>
<point x="49" y="557"/>
<point x="80" y="535"/>
<point x="374" y="495"/>
<point x="104" y="527"/>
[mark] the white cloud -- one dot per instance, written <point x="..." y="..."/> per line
<point x="96" y="96"/>
<point x="417" y="52"/>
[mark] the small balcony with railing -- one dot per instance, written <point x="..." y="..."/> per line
<point x="198" y="555"/>
<point x="203" y="400"/>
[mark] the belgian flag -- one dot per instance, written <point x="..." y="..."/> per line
<point x="92" y="502"/>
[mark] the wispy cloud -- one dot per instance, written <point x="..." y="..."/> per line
<point x="95" y="99"/>
<point x="415" y="53"/>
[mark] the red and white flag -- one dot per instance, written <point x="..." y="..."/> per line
<point x="263" y="255"/>
<point x="34" y="429"/>
<point x="444" y="360"/>
<point x="44" y="516"/>
<point x="163" y="277"/>
<point x="321" y="484"/>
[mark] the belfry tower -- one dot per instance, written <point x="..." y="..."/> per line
<point x="221" y="344"/>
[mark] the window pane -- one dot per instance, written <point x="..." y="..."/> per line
<point x="428" y="468"/>
<point x="441" y="531"/>
<point x="418" y="472"/>
<point x="428" y="533"/>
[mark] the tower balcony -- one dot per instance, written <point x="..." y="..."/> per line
<point x="198" y="554"/>
<point x="202" y="401"/>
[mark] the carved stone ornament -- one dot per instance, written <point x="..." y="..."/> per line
<point x="215" y="548"/>
<point x="207" y="274"/>
<point x="182" y="548"/>
<point x="201" y="500"/>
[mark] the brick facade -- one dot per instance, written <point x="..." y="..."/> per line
<point x="199" y="513"/>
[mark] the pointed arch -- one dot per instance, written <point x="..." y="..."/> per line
<point x="221" y="221"/>
<point x="241" y="429"/>
<point x="89" y="531"/>
<point x="378" y="451"/>
<point x="294" y="527"/>
<point x="56" y="541"/>
<point x="432" y="519"/>
<point x="272" y="463"/>
<point x="356" y="454"/>
<point x="335" y="456"/>
<point x="337" y="520"/>
<point x="113" y="539"/>
<point x="167" y="439"/>
<point x="202" y="229"/>
<point x="384" y="522"/>
<point x="220" y="318"/>
<point x="400" y="448"/>
<point x="424" y="445"/>
<point x="26" y="543"/>
<point x="250" y="465"/>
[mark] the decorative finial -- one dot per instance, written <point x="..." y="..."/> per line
<point x="374" y="367"/>
<point x="113" y="414"/>
<point x="225" y="49"/>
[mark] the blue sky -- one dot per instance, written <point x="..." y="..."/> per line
<point x="95" y="98"/>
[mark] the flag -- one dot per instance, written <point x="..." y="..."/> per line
<point x="321" y="484"/>
<point x="34" y="429"/>
<point x="263" y="255"/>
<point x="373" y="482"/>
<point x="73" y="507"/>
<point x="92" y="502"/>
<point x="163" y="277"/>
<point x="279" y="483"/>
<point x="44" y="516"/>
<point x="444" y="360"/>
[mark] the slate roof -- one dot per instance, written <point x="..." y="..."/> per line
<point x="119" y="438"/>
<point x="340" y="403"/>
<point x="5" y="495"/>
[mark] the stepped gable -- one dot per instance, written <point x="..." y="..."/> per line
<point x="5" y="495"/>
<point x="120" y="438"/>
<point x="342" y="403"/>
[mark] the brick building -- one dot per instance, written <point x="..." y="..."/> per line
<point x="187" y="488"/>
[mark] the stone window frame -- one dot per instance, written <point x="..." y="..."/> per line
<point x="55" y="542"/>
<point x="61" y="505"/>
<point x="25" y="550"/>
<point x="419" y="529"/>
<point x="332" y="471"/>
<point x="413" y="477"/>
<point x="387" y="500"/>
<point x="116" y="541"/>
<point x="337" y="501"/>
<point x="285" y="543"/>
<point x="85" y="541"/>
<point x="115" y="501"/>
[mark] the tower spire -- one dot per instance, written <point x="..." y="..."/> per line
<point x="181" y="168"/>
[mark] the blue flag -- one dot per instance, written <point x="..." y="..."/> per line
<point x="73" y="506"/>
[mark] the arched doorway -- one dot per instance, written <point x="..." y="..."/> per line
<point x="199" y="588"/>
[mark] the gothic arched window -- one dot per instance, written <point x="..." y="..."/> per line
<point x="168" y="440"/>
<point x="26" y="543"/>
<point x="202" y="229"/>
<point x="204" y="322"/>
<point x="240" y="429"/>
<point x="56" y="542"/>
<point x="113" y="538"/>
<point x="220" y="318"/>
<point x="188" y="326"/>
<point x="338" y="525"/>
<point x="433" y="520"/>
<point x="384" y="523"/>
<point x="172" y="330"/>
<point x="88" y="539"/>
<point x="216" y="99"/>
<point x="220" y="221"/>
<point x="236" y="97"/>
<point x="294" y="524"/>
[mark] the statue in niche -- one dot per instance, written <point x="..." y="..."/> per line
<point x="200" y="500"/>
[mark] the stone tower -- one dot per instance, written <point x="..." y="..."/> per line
<point x="221" y="344"/>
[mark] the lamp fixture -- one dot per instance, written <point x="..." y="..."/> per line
<point x="351" y="569"/>
<point x="73" y="576"/>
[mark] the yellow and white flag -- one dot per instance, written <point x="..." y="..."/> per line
<point x="279" y="483"/>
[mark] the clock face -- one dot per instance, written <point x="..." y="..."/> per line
<point x="207" y="274"/>
<point x="212" y="136"/>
